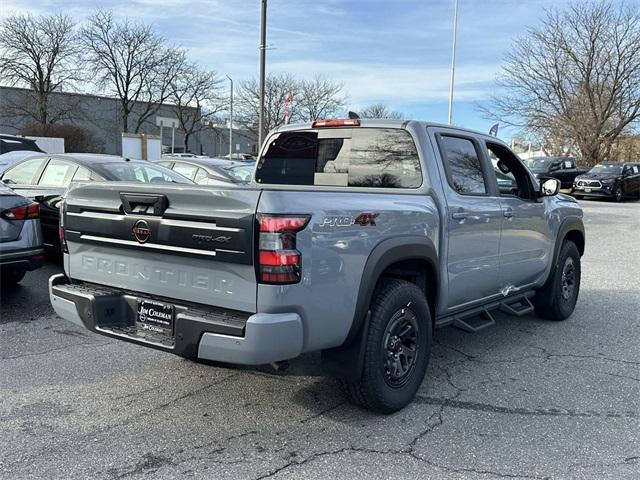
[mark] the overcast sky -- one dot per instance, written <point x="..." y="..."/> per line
<point x="390" y="51"/>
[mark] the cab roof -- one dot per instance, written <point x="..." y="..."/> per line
<point x="390" y="123"/>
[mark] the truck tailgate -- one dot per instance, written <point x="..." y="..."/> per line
<point x="192" y="243"/>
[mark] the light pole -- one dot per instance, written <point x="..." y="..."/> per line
<point x="263" y="48"/>
<point x="230" y="119"/>
<point x="453" y="59"/>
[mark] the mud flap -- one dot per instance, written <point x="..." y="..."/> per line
<point x="346" y="362"/>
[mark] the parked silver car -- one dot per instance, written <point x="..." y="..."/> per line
<point x="20" y="236"/>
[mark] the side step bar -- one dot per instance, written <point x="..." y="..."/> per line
<point x="475" y="322"/>
<point x="478" y="318"/>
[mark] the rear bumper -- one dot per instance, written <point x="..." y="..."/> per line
<point x="199" y="332"/>
<point x="22" y="259"/>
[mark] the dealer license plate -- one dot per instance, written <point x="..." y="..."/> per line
<point x="587" y="190"/>
<point x="155" y="316"/>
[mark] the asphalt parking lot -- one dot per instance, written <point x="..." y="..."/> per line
<point x="525" y="399"/>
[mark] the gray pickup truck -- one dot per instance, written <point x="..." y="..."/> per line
<point x="355" y="238"/>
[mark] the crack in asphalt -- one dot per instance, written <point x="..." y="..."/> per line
<point x="626" y="461"/>
<point x="537" y="412"/>
<point x="103" y="430"/>
<point x="149" y="463"/>
<point x="402" y="452"/>
<point x="65" y="347"/>
<point x="546" y="355"/>
<point x="322" y="412"/>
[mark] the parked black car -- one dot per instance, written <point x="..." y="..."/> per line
<point x="46" y="178"/>
<point x="562" y="168"/>
<point x="610" y="180"/>
<point x="211" y="171"/>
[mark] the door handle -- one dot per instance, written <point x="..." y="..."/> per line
<point x="459" y="215"/>
<point x="507" y="213"/>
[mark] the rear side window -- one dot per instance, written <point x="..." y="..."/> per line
<point x="22" y="174"/>
<point x="85" y="175"/>
<point x="143" y="172"/>
<point x="464" y="169"/>
<point x="57" y="173"/>
<point x="185" y="169"/>
<point x="345" y="157"/>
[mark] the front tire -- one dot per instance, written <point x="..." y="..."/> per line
<point x="557" y="299"/>
<point x="618" y="194"/>
<point x="397" y="348"/>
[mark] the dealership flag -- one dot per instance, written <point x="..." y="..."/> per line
<point x="494" y="130"/>
<point x="287" y="107"/>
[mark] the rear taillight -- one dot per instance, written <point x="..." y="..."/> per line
<point x="278" y="260"/>
<point x="61" y="231"/>
<point x="25" y="212"/>
<point x="340" y="122"/>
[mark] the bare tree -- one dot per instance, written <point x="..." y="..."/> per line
<point x="379" y="110"/>
<point x="196" y="97"/>
<point x="318" y="98"/>
<point x="575" y="77"/>
<point x="39" y="53"/>
<point x="134" y="63"/>
<point x="276" y="89"/>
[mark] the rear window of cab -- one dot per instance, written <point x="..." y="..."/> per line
<point x="342" y="157"/>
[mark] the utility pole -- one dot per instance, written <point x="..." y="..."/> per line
<point x="263" y="48"/>
<point x="453" y="59"/>
<point x="230" y="119"/>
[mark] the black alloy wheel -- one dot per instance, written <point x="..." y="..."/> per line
<point x="401" y="347"/>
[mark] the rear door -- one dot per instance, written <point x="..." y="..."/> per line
<point x="194" y="244"/>
<point x="473" y="219"/>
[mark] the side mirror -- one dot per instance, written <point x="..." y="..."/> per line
<point x="549" y="187"/>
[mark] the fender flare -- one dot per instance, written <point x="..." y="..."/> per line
<point x="568" y="225"/>
<point x="346" y="361"/>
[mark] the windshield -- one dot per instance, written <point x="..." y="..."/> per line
<point x="607" y="169"/>
<point x="143" y="172"/>
<point x="539" y="163"/>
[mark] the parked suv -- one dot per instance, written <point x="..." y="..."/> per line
<point x="564" y="169"/>
<point x="356" y="237"/>
<point x="609" y="180"/>
<point x="13" y="149"/>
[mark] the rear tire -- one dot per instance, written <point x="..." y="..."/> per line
<point x="557" y="299"/>
<point x="397" y="348"/>
<point x="11" y="277"/>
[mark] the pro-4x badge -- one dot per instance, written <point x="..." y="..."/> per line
<point x="364" y="220"/>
